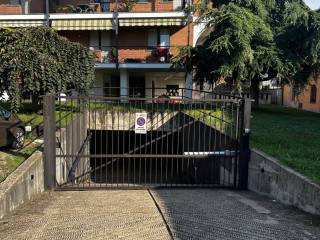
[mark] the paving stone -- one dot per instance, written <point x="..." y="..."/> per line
<point x="132" y="214"/>
<point x="86" y="215"/>
<point x="221" y="214"/>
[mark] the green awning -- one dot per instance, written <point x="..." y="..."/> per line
<point x="82" y="24"/>
<point x="130" y="22"/>
<point x="21" y="23"/>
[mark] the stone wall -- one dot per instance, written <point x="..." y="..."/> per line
<point x="22" y="185"/>
<point x="267" y="176"/>
<point x="124" y="121"/>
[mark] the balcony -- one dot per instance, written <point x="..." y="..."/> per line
<point x="22" y="7"/>
<point x="22" y="13"/>
<point x="139" y="56"/>
<point x="97" y="14"/>
<point x="109" y="6"/>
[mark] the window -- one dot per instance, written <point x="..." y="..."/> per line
<point x="94" y="41"/>
<point x="15" y="2"/>
<point x="152" y="37"/>
<point x="172" y="90"/>
<point x="158" y="37"/>
<point x="104" y="4"/>
<point x="313" y="94"/>
<point x="105" y="40"/>
<point x="164" y="38"/>
<point x="100" y="40"/>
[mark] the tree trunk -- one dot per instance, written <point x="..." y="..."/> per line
<point x="255" y="92"/>
<point x="35" y="101"/>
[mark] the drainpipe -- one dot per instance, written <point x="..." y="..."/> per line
<point x="188" y="93"/>
<point x="47" y="13"/>
<point x="116" y="17"/>
<point x="188" y="22"/>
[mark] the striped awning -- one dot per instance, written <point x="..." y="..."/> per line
<point x="82" y="24"/>
<point x="21" y="23"/>
<point x="130" y="22"/>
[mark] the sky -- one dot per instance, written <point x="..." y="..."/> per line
<point x="313" y="4"/>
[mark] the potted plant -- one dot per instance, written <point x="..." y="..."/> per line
<point x="162" y="54"/>
<point x="126" y="5"/>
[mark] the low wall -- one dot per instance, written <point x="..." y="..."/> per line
<point x="267" y="176"/>
<point x="21" y="185"/>
<point x="117" y="120"/>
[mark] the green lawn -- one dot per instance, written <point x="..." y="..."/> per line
<point x="10" y="160"/>
<point x="290" y="135"/>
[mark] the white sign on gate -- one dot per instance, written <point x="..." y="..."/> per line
<point x="140" y="126"/>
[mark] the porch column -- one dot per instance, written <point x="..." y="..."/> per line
<point x="188" y="86"/>
<point x="124" y="83"/>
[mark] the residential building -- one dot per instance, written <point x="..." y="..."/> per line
<point x="134" y="43"/>
<point x="308" y="99"/>
<point x="270" y="92"/>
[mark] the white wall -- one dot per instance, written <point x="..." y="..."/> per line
<point x="197" y="30"/>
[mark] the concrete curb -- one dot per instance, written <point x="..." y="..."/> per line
<point x="269" y="177"/>
<point x="22" y="185"/>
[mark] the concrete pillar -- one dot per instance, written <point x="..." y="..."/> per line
<point x="49" y="123"/>
<point x="188" y="86"/>
<point x="124" y="83"/>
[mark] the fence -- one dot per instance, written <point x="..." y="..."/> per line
<point x="186" y="143"/>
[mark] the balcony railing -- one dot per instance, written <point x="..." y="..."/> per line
<point x="135" y="54"/>
<point x="89" y="6"/>
<point x="107" y="6"/>
<point x="25" y="7"/>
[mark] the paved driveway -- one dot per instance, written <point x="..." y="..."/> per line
<point x="184" y="214"/>
<point x="220" y="214"/>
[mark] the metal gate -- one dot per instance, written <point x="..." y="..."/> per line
<point x="100" y="142"/>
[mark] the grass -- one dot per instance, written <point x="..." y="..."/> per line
<point x="10" y="160"/>
<point x="290" y="135"/>
<point x="223" y="121"/>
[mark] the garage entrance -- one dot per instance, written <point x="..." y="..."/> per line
<point x="104" y="142"/>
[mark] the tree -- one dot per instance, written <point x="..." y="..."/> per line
<point x="240" y="49"/>
<point x="299" y="40"/>
<point x="38" y="61"/>
<point x="248" y="43"/>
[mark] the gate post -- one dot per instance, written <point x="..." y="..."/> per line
<point x="245" y="145"/>
<point x="49" y="129"/>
